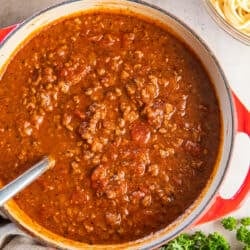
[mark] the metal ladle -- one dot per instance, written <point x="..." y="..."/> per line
<point x="18" y="184"/>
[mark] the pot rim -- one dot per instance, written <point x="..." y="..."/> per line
<point x="159" y="240"/>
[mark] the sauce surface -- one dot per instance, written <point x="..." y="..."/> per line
<point x="130" y="116"/>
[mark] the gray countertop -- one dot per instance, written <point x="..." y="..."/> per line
<point x="13" y="11"/>
<point x="233" y="56"/>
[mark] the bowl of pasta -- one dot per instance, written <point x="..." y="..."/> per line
<point x="233" y="16"/>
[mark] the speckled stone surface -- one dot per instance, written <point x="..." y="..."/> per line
<point x="233" y="56"/>
<point x="13" y="11"/>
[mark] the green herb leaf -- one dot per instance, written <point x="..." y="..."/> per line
<point x="229" y="223"/>
<point x="214" y="241"/>
<point x="217" y="242"/>
<point x="182" y="242"/>
<point x="200" y="240"/>
<point x="245" y="221"/>
<point x="243" y="235"/>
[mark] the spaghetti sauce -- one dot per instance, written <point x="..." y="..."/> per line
<point x="130" y="116"/>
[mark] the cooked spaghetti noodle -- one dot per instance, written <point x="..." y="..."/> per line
<point x="235" y="12"/>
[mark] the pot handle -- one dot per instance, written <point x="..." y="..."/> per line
<point x="5" y="31"/>
<point x="221" y="207"/>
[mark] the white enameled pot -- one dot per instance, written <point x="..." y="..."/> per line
<point x="209" y="196"/>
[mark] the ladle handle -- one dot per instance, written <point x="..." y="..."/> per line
<point x="11" y="189"/>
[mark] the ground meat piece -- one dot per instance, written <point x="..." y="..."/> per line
<point x="48" y="75"/>
<point x="99" y="177"/>
<point x="139" y="169"/>
<point x="116" y="189"/>
<point x="193" y="147"/>
<point x="146" y="201"/>
<point x="155" y="113"/>
<point x="73" y="74"/>
<point x="137" y="196"/>
<point x="127" y="39"/>
<point x="182" y="105"/>
<point x="113" y="219"/>
<point x="149" y="93"/>
<point x="140" y="133"/>
<point x="153" y="169"/>
<point x="80" y="197"/>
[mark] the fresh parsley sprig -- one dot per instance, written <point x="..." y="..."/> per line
<point x="213" y="241"/>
